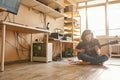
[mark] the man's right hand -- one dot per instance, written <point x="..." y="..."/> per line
<point x="80" y="50"/>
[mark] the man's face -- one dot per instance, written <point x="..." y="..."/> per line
<point x="88" y="37"/>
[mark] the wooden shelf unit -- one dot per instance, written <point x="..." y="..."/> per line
<point x="72" y="22"/>
<point x="42" y="8"/>
<point x="76" y="28"/>
<point x="7" y="26"/>
<point x="68" y="26"/>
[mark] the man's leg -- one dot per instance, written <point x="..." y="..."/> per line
<point x="93" y="60"/>
<point x="103" y="58"/>
<point x="84" y="57"/>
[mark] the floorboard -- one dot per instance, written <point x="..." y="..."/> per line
<point x="62" y="70"/>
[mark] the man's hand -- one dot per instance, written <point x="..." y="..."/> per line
<point x="97" y="49"/>
<point x="80" y="50"/>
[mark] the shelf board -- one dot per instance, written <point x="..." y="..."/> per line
<point x="77" y="27"/>
<point x="67" y="33"/>
<point x="70" y="14"/>
<point x="22" y="28"/>
<point x="76" y="39"/>
<point x="66" y="27"/>
<point x="2" y="9"/>
<point x="66" y="3"/>
<point x="68" y="24"/>
<point x="76" y="30"/>
<point x="53" y="3"/>
<point x="76" y="42"/>
<point x="56" y="4"/>
<point x="42" y="7"/>
<point x="69" y="2"/>
<point x="67" y="30"/>
<point x="76" y="34"/>
<point x="70" y="20"/>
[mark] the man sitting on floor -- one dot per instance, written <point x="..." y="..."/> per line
<point x="88" y="50"/>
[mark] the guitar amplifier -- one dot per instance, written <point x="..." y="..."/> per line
<point x="39" y="49"/>
<point x="42" y="52"/>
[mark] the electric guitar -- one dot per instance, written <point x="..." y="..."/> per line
<point x="111" y="42"/>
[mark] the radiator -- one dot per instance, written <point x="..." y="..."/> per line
<point x="114" y="50"/>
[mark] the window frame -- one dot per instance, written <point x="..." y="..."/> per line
<point x="106" y="14"/>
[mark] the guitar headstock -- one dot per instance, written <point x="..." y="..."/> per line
<point x="114" y="42"/>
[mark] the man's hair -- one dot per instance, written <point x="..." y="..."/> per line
<point x="86" y="32"/>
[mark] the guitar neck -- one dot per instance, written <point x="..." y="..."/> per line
<point x="92" y="48"/>
<point x="112" y="42"/>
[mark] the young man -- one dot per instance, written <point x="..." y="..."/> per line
<point x="89" y="49"/>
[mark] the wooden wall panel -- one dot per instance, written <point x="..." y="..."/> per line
<point x="29" y="17"/>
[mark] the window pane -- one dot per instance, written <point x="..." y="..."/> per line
<point x="114" y="19"/>
<point x="81" y="4"/>
<point x="83" y="19"/>
<point x="113" y="0"/>
<point x="96" y="20"/>
<point x="96" y="2"/>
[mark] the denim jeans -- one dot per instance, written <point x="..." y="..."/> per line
<point x="93" y="60"/>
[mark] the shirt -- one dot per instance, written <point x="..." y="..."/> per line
<point x="89" y="45"/>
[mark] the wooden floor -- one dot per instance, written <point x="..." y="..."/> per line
<point x="62" y="70"/>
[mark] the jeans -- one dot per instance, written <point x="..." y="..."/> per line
<point x="93" y="60"/>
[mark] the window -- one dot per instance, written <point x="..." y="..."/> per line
<point x="83" y="19"/>
<point x="96" y="2"/>
<point x="114" y="19"/>
<point x="96" y="20"/>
